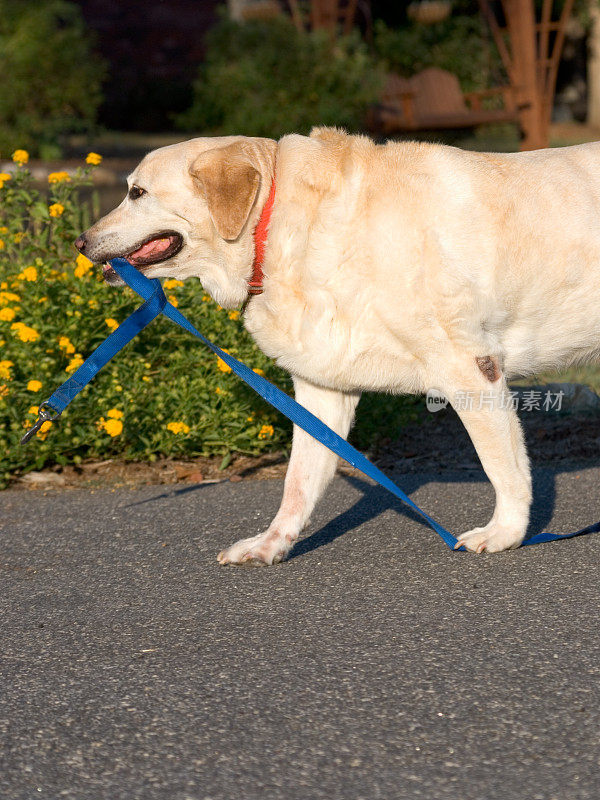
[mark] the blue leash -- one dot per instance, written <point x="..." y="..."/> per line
<point x="156" y="303"/>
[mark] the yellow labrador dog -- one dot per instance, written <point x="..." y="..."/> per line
<point x="394" y="268"/>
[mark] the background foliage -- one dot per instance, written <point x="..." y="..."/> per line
<point x="49" y="78"/>
<point x="262" y="78"/>
<point x="265" y="78"/>
<point x="460" y="44"/>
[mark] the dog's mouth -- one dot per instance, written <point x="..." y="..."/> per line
<point x="155" y="250"/>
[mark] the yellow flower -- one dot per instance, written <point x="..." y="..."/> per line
<point x="178" y="427"/>
<point x="74" y="363"/>
<point x="266" y="432"/>
<point x="3" y="390"/>
<point x="20" y="157"/>
<point x="145" y="378"/>
<point x="18" y="237"/>
<point x="83" y="266"/>
<point x="43" y="431"/>
<point x="221" y="364"/>
<point x="33" y="410"/>
<point x="8" y="297"/>
<point x="59" y="177"/>
<point x="5" y="370"/>
<point x="34" y="386"/>
<point x="56" y="209"/>
<point x="43" y="300"/>
<point x="2" y="245"/>
<point x="28" y="274"/>
<point x="112" y="323"/>
<point x="24" y="333"/>
<point x="172" y="283"/>
<point x="60" y="276"/>
<point x="114" y="413"/>
<point x="112" y="426"/>
<point x="93" y="303"/>
<point x="234" y="315"/>
<point x="65" y="344"/>
<point x="218" y="390"/>
<point x="93" y="158"/>
<point x="173" y="300"/>
<point x="259" y="371"/>
<point x="7" y="314"/>
<point x="5" y="176"/>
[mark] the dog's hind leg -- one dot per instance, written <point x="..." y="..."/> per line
<point x="311" y="468"/>
<point x="482" y="400"/>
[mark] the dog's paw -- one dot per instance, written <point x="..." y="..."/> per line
<point x="492" y="539"/>
<point x="257" y="551"/>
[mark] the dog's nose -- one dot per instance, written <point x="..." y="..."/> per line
<point x="81" y="243"/>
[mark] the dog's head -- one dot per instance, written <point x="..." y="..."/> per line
<point x="190" y="210"/>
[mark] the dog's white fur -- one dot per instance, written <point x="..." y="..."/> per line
<point x="389" y="268"/>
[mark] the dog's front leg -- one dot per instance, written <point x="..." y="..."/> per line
<point x="311" y="468"/>
<point x="485" y="409"/>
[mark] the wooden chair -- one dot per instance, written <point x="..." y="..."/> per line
<point x="433" y="99"/>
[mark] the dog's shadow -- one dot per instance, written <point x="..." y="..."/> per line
<point x="375" y="500"/>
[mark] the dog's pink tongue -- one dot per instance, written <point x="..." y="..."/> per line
<point x="151" y="248"/>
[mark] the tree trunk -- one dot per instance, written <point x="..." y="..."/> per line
<point x="520" y="16"/>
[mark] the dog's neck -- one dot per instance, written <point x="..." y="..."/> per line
<point x="255" y="284"/>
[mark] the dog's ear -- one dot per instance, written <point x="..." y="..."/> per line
<point x="229" y="183"/>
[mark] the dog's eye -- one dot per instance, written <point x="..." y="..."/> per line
<point x="135" y="192"/>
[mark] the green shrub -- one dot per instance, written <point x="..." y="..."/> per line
<point x="164" y="394"/>
<point x="50" y="82"/>
<point x="460" y="44"/>
<point x="264" y="78"/>
<point x="55" y="309"/>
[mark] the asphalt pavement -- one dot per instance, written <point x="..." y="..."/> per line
<point x="375" y="663"/>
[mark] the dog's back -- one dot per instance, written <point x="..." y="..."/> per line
<point x="504" y="247"/>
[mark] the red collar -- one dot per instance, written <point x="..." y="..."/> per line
<point x="255" y="284"/>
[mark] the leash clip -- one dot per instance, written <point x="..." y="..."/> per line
<point x="44" y="415"/>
